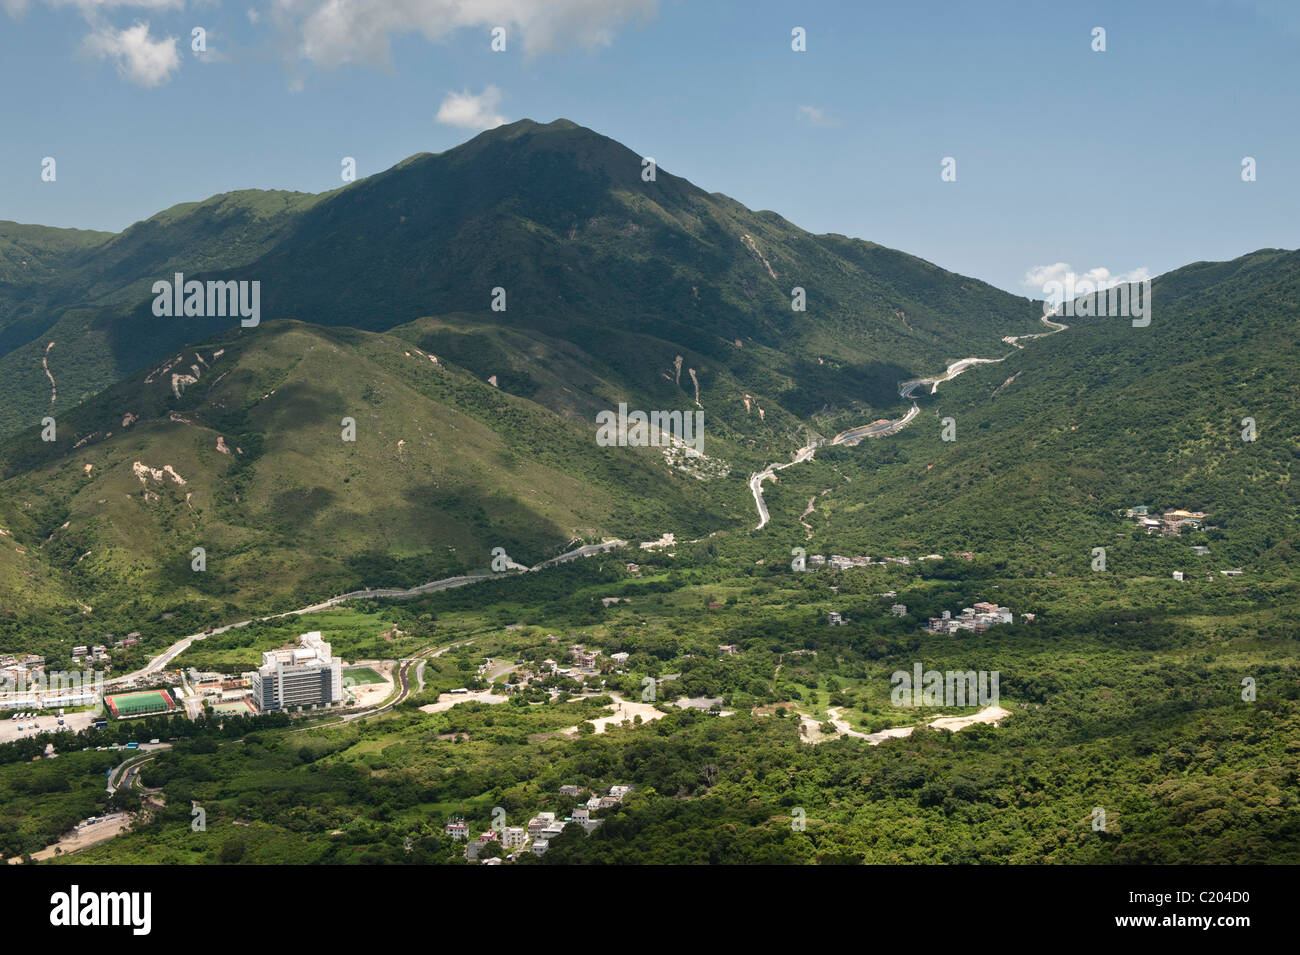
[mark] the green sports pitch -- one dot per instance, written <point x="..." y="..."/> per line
<point x="360" y="676"/>
<point x="235" y="708"/>
<point x="124" y="705"/>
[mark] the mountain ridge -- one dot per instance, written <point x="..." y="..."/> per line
<point x="556" y="214"/>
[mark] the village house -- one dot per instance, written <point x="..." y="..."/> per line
<point x="540" y="822"/>
<point x="551" y="831"/>
<point x="833" y="619"/>
<point x="620" y="658"/>
<point x="977" y="618"/>
<point x="728" y="649"/>
<point x="898" y="610"/>
<point x="583" y="657"/>
<point x="458" y="829"/>
<point x="1176" y="521"/>
<point x="513" y="837"/>
<point x="1169" y="524"/>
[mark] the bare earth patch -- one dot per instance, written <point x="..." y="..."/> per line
<point x="992" y="715"/>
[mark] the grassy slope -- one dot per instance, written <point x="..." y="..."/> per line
<point x="1101" y="417"/>
<point x="444" y="468"/>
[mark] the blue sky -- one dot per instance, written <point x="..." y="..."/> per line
<point x="1127" y="160"/>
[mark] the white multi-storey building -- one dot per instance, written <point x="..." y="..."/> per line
<point x="307" y="675"/>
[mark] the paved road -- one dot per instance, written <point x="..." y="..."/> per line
<point x="590" y="550"/>
<point x="161" y="661"/>
<point x="126" y="774"/>
<point x="879" y="429"/>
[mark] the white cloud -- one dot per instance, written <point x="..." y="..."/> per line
<point x="1039" y="280"/>
<point x="140" y="59"/>
<point x="145" y="61"/>
<point x="468" y="111"/>
<point x="332" y="32"/>
<point x="815" y="116"/>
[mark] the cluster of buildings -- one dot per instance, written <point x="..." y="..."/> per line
<point x="584" y="663"/>
<point x="26" y="684"/>
<point x="541" y="829"/>
<point x="222" y="687"/>
<point x="20" y="671"/>
<point x="977" y="618"/>
<point x="1169" y="524"/>
<point x="95" y="654"/>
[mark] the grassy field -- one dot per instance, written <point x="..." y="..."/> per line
<point x="353" y="632"/>
<point x="362" y="676"/>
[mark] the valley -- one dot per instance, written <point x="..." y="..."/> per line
<point x="384" y="457"/>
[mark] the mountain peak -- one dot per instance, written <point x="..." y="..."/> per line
<point x="521" y="127"/>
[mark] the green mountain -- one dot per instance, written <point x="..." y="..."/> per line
<point x="475" y="428"/>
<point x="633" y="273"/>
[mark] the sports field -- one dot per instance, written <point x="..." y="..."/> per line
<point x="235" y="708"/>
<point x="361" y="676"/>
<point x="123" y="705"/>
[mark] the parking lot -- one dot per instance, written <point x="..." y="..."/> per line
<point x="75" y="722"/>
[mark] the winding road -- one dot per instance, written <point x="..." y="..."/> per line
<point x="879" y="429"/>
